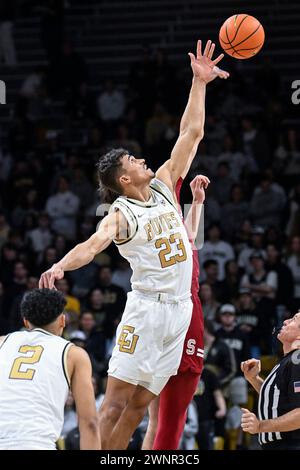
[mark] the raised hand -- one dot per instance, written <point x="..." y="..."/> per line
<point x="198" y="186"/>
<point x="251" y="368"/>
<point x="49" y="277"/>
<point x="203" y="66"/>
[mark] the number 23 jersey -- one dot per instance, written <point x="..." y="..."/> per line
<point x="157" y="246"/>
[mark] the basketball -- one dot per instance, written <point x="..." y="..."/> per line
<point x="242" y="36"/>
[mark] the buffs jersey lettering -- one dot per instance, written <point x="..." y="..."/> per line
<point x="157" y="247"/>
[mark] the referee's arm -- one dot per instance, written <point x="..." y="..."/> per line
<point x="251" y="370"/>
<point x="288" y="422"/>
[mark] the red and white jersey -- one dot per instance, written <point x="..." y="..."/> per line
<point x="193" y="351"/>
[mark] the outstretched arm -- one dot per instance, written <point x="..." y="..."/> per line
<point x="192" y="220"/>
<point x="112" y="226"/>
<point x="192" y="122"/>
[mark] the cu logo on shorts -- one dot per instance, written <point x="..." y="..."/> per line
<point x="127" y="345"/>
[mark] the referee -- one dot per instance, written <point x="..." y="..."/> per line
<point x="278" y="422"/>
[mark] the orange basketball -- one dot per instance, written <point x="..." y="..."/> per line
<point x="242" y="36"/>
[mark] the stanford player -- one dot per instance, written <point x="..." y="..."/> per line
<point x="167" y="413"/>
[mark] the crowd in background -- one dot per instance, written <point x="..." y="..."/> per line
<point x="250" y="261"/>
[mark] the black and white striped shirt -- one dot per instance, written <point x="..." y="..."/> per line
<point x="279" y="394"/>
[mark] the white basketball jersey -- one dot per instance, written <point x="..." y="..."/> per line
<point x="33" y="388"/>
<point x="157" y="248"/>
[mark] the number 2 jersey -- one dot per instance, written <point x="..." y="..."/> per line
<point x="157" y="247"/>
<point x="33" y="389"/>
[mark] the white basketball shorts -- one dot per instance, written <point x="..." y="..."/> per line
<point x="150" y="339"/>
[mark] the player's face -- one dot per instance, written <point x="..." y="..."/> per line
<point x="137" y="172"/>
<point x="290" y="330"/>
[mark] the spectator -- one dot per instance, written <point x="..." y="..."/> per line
<point x="255" y="144"/>
<point x="73" y="304"/>
<point x="223" y="183"/>
<point x="293" y="262"/>
<point x="248" y="320"/>
<point x="235" y="211"/>
<point x="111" y="104"/>
<point x="83" y="278"/>
<point x="8" y="258"/>
<point x="103" y="317"/>
<point x="123" y="140"/>
<point x="229" y="332"/>
<point x="212" y="209"/>
<point x="17" y="286"/>
<point x="256" y="244"/>
<point x="231" y="283"/>
<point x="61" y="246"/>
<point x="41" y="237"/>
<point x="87" y="323"/>
<point x="216" y="249"/>
<point x="50" y="257"/>
<point x="82" y="188"/>
<point x="114" y="296"/>
<point x="285" y="281"/>
<point x="70" y="416"/>
<point x="218" y="356"/>
<point x="210" y="405"/>
<point x="236" y="160"/>
<point x="267" y="204"/>
<point x="260" y="282"/>
<point x="290" y="155"/>
<point x="62" y="207"/>
<point x="190" y="430"/>
<point x="122" y="275"/>
<point x="208" y="301"/>
<point x="211" y="271"/>
<point x="78" y="338"/>
<point x="15" y="319"/>
<point x="263" y="286"/>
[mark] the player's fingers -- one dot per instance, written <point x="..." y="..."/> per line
<point x="223" y="74"/>
<point x="211" y="50"/>
<point x="41" y="282"/>
<point x="207" y="47"/>
<point x="244" y="410"/>
<point x="46" y="280"/>
<point x="192" y="57"/>
<point x="217" y="60"/>
<point x="199" y="49"/>
<point x="206" y="181"/>
<point x="51" y="281"/>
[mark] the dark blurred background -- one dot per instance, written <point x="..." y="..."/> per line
<point x="83" y="77"/>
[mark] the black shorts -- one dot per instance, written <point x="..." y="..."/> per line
<point x="285" y="444"/>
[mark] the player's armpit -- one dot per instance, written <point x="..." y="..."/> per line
<point x="80" y="371"/>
